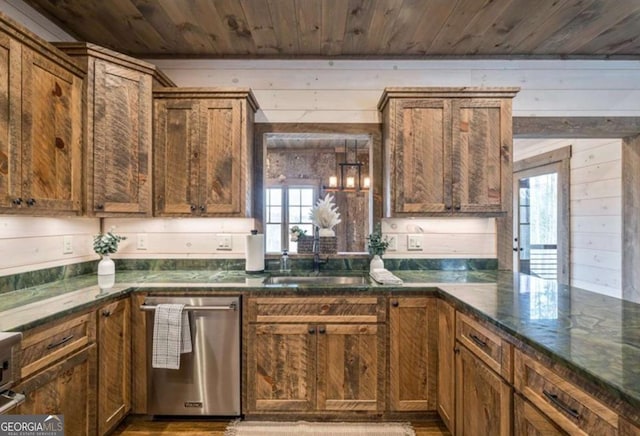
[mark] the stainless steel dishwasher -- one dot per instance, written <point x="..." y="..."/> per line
<point x="208" y="381"/>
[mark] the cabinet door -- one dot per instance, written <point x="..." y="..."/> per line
<point x="351" y="367"/>
<point x="114" y="368"/>
<point x="446" y="364"/>
<point x="529" y="421"/>
<point x="9" y="122"/>
<point x="223" y="157"/>
<point x="421" y="157"/>
<point x="483" y="399"/>
<point x="281" y="367"/>
<point x="481" y="158"/>
<point x="414" y="354"/>
<point x="67" y="388"/>
<point x="121" y="134"/>
<point x="51" y="135"/>
<point x="176" y="157"/>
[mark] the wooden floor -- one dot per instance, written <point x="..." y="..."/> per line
<point x="140" y="427"/>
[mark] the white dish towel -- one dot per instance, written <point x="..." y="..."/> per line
<point x="171" y="335"/>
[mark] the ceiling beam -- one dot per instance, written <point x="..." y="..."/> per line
<point x="575" y="127"/>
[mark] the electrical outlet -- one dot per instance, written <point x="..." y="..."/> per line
<point x="142" y="241"/>
<point x="393" y="243"/>
<point x="224" y="242"/>
<point x="414" y="242"/>
<point x="67" y="244"/>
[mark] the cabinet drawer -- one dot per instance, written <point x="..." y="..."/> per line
<point x="571" y="408"/>
<point x="49" y="343"/>
<point x="483" y="341"/>
<point x="317" y="309"/>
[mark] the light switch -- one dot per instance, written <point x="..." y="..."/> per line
<point x="142" y="241"/>
<point x="414" y="242"/>
<point x="67" y="244"/>
<point x="224" y="242"/>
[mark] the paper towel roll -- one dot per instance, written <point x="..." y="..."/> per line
<point x="254" y="253"/>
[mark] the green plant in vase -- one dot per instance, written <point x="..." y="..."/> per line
<point x="106" y="244"/>
<point x="377" y="245"/>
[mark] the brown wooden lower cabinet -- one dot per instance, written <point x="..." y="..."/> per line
<point x="66" y="388"/>
<point x="315" y="368"/>
<point x="529" y="421"/>
<point x="413" y="354"/>
<point x="114" y="365"/>
<point x="483" y="398"/>
<point x="446" y="365"/>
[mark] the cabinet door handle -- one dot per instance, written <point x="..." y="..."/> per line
<point x="31" y="202"/>
<point x="99" y="206"/>
<point x="17" y="201"/>
<point x="395" y="303"/>
<point x="106" y="313"/>
<point x="60" y="342"/>
<point x="553" y="399"/>
<point x="312" y="330"/>
<point x="192" y="207"/>
<point x="478" y="341"/>
<point x="322" y="330"/>
<point x="202" y="208"/>
<point x="448" y="207"/>
<point x="457" y="207"/>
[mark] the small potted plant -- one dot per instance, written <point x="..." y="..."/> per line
<point x="377" y="245"/>
<point x="106" y="244"/>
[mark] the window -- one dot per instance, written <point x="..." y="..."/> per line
<point x="287" y="206"/>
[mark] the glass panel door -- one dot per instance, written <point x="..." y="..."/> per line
<point x="536" y="241"/>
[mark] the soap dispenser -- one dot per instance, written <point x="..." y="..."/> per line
<point x="285" y="266"/>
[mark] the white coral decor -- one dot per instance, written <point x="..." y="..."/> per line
<point x="325" y="214"/>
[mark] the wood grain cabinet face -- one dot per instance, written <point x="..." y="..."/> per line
<point x="281" y="361"/>
<point x="51" y="136"/>
<point x="10" y="172"/>
<point x="413" y="354"/>
<point x="529" y="421"/>
<point x="483" y="398"/>
<point x="40" y="126"/>
<point x="446" y="364"/>
<point x="312" y="355"/>
<point x="114" y="364"/>
<point x="65" y="388"/>
<point x="567" y="405"/>
<point x="202" y="155"/>
<point x="447" y="151"/>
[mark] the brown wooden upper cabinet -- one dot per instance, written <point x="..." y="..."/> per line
<point x="203" y="151"/>
<point x="117" y="122"/>
<point x="447" y="151"/>
<point x="40" y="126"/>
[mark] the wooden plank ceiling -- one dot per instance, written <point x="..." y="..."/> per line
<point x="354" y="28"/>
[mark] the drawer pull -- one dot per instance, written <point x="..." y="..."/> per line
<point x="478" y="341"/>
<point x="553" y="399"/>
<point x="60" y="342"/>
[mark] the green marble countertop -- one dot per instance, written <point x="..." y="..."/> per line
<point x="595" y="335"/>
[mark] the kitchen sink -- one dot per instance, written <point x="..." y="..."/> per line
<point x="317" y="280"/>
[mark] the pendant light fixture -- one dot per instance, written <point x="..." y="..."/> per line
<point x="346" y="180"/>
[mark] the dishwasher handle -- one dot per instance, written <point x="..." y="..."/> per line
<point x="232" y="306"/>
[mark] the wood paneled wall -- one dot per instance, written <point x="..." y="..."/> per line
<point x="443" y="237"/>
<point x="31" y="243"/>
<point x="347" y="91"/>
<point x="596" y="208"/>
<point x="180" y="238"/>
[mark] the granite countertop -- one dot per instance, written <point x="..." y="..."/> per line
<point x="595" y="335"/>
